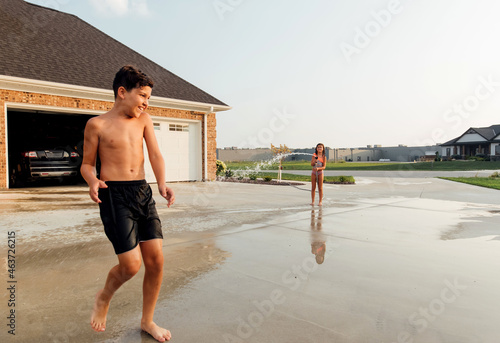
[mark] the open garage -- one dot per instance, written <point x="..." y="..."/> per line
<point x="35" y="130"/>
<point x="32" y="131"/>
<point x="46" y="101"/>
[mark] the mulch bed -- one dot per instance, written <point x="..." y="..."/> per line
<point x="274" y="182"/>
<point x="339" y="183"/>
<point x="261" y="182"/>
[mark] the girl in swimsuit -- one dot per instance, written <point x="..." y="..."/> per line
<point x="318" y="162"/>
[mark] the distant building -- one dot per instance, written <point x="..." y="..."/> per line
<point x="264" y="154"/>
<point x="400" y="153"/>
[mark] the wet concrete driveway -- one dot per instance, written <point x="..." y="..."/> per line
<point x="390" y="259"/>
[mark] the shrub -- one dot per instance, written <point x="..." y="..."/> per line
<point x="267" y="178"/>
<point x="495" y="174"/>
<point x="480" y="157"/>
<point x="221" y="168"/>
<point x="344" y="179"/>
<point x="229" y="173"/>
<point x="252" y="177"/>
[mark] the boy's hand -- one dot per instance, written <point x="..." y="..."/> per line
<point x="94" y="190"/>
<point x="167" y="193"/>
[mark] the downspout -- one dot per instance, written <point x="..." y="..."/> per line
<point x="205" y="143"/>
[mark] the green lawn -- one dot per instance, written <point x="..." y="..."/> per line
<point x="438" y="166"/>
<point x="488" y="182"/>
<point x="306" y="178"/>
<point x="385" y="166"/>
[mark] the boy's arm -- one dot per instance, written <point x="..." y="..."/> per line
<point x="157" y="161"/>
<point x="90" y="145"/>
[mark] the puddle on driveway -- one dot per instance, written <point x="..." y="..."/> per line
<point x="59" y="285"/>
<point x="373" y="262"/>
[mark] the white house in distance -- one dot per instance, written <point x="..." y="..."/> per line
<point x="474" y="141"/>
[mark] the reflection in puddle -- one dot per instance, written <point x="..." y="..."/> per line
<point x="267" y="209"/>
<point x="61" y="282"/>
<point x="318" y="238"/>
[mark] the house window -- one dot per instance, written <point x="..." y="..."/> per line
<point x="157" y="126"/>
<point x="178" y="127"/>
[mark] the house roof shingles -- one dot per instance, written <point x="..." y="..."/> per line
<point x="488" y="133"/>
<point x="44" y="44"/>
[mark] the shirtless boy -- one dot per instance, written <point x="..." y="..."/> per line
<point x="125" y="200"/>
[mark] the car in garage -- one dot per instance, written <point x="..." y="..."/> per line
<point x="61" y="163"/>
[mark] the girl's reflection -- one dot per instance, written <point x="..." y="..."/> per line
<point x="318" y="240"/>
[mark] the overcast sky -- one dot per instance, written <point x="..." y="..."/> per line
<point x="346" y="73"/>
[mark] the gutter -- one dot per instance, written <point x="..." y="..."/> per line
<point x="83" y="92"/>
<point x="205" y="142"/>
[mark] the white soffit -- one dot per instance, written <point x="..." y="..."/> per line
<point x="81" y="92"/>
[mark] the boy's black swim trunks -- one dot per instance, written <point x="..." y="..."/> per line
<point x="129" y="214"/>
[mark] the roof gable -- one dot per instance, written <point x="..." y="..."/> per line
<point x="487" y="132"/>
<point x="471" y="137"/>
<point x="48" y="45"/>
<point x="477" y="135"/>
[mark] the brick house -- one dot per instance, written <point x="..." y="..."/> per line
<point x="56" y="72"/>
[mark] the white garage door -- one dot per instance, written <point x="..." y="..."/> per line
<point x="180" y="144"/>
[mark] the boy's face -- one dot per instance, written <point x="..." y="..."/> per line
<point x="136" y="100"/>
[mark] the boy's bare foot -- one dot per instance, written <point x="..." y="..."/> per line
<point x="312" y="204"/>
<point x="158" y="333"/>
<point x="99" y="313"/>
<point x="320" y="203"/>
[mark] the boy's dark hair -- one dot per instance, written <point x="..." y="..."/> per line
<point x="130" y="77"/>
